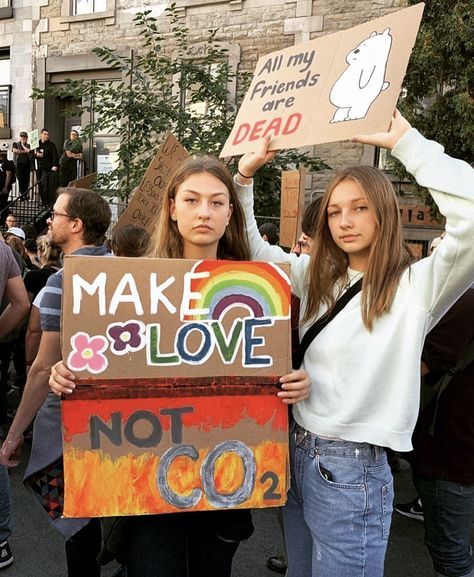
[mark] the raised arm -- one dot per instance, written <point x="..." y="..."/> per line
<point x="259" y="249"/>
<point x="444" y="276"/>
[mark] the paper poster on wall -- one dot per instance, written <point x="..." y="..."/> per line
<point x="177" y="364"/>
<point x="144" y="207"/>
<point x="327" y="89"/>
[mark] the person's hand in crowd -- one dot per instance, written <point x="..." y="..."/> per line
<point x="11" y="449"/>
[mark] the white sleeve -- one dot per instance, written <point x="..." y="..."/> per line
<point x="262" y="251"/>
<point x="444" y="276"/>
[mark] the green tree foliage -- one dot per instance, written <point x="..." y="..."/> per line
<point x="164" y="88"/>
<point x="439" y="85"/>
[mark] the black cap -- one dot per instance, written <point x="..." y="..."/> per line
<point x="23" y="133"/>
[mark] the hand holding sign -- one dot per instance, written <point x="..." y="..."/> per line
<point x="398" y="127"/>
<point x="252" y="161"/>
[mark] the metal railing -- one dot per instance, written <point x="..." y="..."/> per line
<point x="28" y="211"/>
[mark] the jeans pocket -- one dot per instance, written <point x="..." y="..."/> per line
<point x="387" y="508"/>
<point x="339" y="472"/>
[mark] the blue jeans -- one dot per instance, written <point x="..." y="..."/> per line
<point x="5" y="531"/>
<point x="339" y="509"/>
<point x="448" y="508"/>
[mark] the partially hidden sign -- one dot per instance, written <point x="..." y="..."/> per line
<point x="144" y="207"/>
<point x="177" y="364"/>
<point x="327" y="89"/>
<point x="291" y="205"/>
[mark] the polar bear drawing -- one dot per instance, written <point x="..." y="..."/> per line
<point x="364" y="78"/>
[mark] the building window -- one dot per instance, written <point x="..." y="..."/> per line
<point x="6" y="10"/>
<point x="88" y="6"/>
<point x="5" y="93"/>
<point x="82" y="10"/>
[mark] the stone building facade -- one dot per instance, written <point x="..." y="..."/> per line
<point x="62" y="34"/>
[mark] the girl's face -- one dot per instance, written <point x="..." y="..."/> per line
<point x="352" y="222"/>
<point x="202" y="210"/>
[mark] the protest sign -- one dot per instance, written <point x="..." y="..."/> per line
<point x="84" y="182"/>
<point x="33" y="139"/>
<point x="291" y="205"/>
<point x="327" y="89"/>
<point x="144" y="207"/>
<point x="177" y="365"/>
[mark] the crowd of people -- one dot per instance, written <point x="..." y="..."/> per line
<point x="365" y="309"/>
<point x="44" y="162"/>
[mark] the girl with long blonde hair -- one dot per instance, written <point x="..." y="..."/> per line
<point x="365" y="363"/>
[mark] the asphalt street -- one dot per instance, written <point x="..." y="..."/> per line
<point x="39" y="550"/>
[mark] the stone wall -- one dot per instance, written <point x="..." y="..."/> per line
<point x="255" y="26"/>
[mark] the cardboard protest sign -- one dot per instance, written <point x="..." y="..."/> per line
<point x="291" y="205"/>
<point x="177" y="364"/>
<point x="84" y="182"/>
<point x="144" y="207"/>
<point x="327" y="89"/>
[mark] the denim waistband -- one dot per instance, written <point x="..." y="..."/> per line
<point x="322" y="446"/>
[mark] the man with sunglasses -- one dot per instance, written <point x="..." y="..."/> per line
<point x="78" y="223"/>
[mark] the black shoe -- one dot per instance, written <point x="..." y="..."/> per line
<point x="277" y="564"/>
<point x="413" y="510"/>
<point x="6" y="555"/>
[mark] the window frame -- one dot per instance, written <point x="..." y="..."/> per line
<point x="6" y="12"/>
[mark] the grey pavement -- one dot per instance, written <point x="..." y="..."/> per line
<point x="39" y="550"/>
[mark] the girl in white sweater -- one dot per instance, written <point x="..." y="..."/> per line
<point x="365" y="364"/>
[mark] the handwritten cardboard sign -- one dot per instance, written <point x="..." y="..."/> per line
<point x="177" y="364"/>
<point x="144" y="207"/>
<point x="291" y="205"/>
<point x="327" y="89"/>
<point x="84" y="182"/>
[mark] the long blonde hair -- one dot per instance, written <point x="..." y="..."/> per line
<point x="167" y="242"/>
<point x="388" y="257"/>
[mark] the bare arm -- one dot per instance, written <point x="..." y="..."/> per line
<point x="34" y="395"/>
<point x="17" y="309"/>
<point x="33" y="337"/>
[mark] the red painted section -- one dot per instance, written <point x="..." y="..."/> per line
<point x="209" y="412"/>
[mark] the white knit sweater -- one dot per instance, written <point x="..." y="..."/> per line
<point x="365" y="385"/>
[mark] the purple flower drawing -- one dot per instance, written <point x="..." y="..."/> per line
<point x="126" y="337"/>
<point x="87" y="353"/>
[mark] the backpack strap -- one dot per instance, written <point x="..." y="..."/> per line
<point x="320" y="323"/>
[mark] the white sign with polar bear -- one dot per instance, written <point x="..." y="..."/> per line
<point x="327" y="89"/>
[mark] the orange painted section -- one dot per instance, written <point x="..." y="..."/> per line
<point x="98" y="486"/>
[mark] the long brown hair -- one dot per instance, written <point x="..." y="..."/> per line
<point x="388" y="256"/>
<point x="167" y="242"/>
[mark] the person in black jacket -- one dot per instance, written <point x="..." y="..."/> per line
<point x="443" y="441"/>
<point x="47" y="163"/>
<point x="7" y="170"/>
<point x="22" y="159"/>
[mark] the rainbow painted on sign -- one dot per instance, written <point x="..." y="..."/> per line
<point x="263" y="288"/>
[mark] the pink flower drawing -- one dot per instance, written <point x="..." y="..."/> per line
<point x="87" y="353"/>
